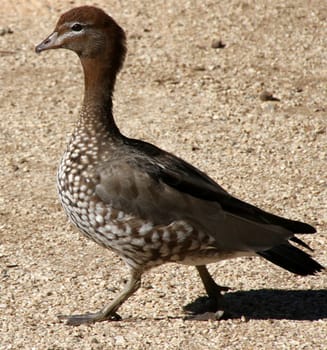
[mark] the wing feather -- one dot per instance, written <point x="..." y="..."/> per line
<point x="157" y="186"/>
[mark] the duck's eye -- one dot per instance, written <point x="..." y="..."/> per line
<point x="76" y="27"/>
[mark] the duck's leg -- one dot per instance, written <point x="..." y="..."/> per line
<point x="212" y="288"/>
<point x="204" y="307"/>
<point x="109" y="311"/>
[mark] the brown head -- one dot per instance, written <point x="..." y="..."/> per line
<point x="97" y="39"/>
<point x="88" y="31"/>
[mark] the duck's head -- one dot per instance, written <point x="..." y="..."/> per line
<point x="89" y="32"/>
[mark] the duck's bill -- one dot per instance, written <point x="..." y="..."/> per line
<point x="51" y="42"/>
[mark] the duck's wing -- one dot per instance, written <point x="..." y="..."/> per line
<point x="160" y="188"/>
<point x="185" y="178"/>
<point x="156" y="186"/>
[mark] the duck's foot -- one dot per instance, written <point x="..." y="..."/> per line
<point x="77" y="320"/>
<point x="206" y="316"/>
<point x="206" y="308"/>
<point x="108" y="313"/>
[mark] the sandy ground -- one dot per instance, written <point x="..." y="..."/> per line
<point x="202" y="103"/>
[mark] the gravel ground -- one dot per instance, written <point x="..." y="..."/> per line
<point x="198" y="82"/>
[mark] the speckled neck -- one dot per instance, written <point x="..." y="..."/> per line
<point x="99" y="80"/>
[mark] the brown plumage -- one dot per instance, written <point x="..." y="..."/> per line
<point x="145" y="204"/>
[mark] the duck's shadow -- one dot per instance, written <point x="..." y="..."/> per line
<point x="273" y="304"/>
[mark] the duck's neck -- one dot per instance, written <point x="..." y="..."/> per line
<point x="99" y="80"/>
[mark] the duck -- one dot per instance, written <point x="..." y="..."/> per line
<point x="145" y="204"/>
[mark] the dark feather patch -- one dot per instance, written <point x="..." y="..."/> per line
<point x="185" y="178"/>
<point x="292" y="259"/>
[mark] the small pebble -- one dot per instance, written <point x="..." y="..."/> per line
<point x="267" y="96"/>
<point x="5" y="30"/>
<point x="217" y="44"/>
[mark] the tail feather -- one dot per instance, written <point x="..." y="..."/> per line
<point x="251" y="212"/>
<point x="291" y="225"/>
<point x="301" y="243"/>
<point x="292" y="259"/>
<point x="297" y="226"/>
